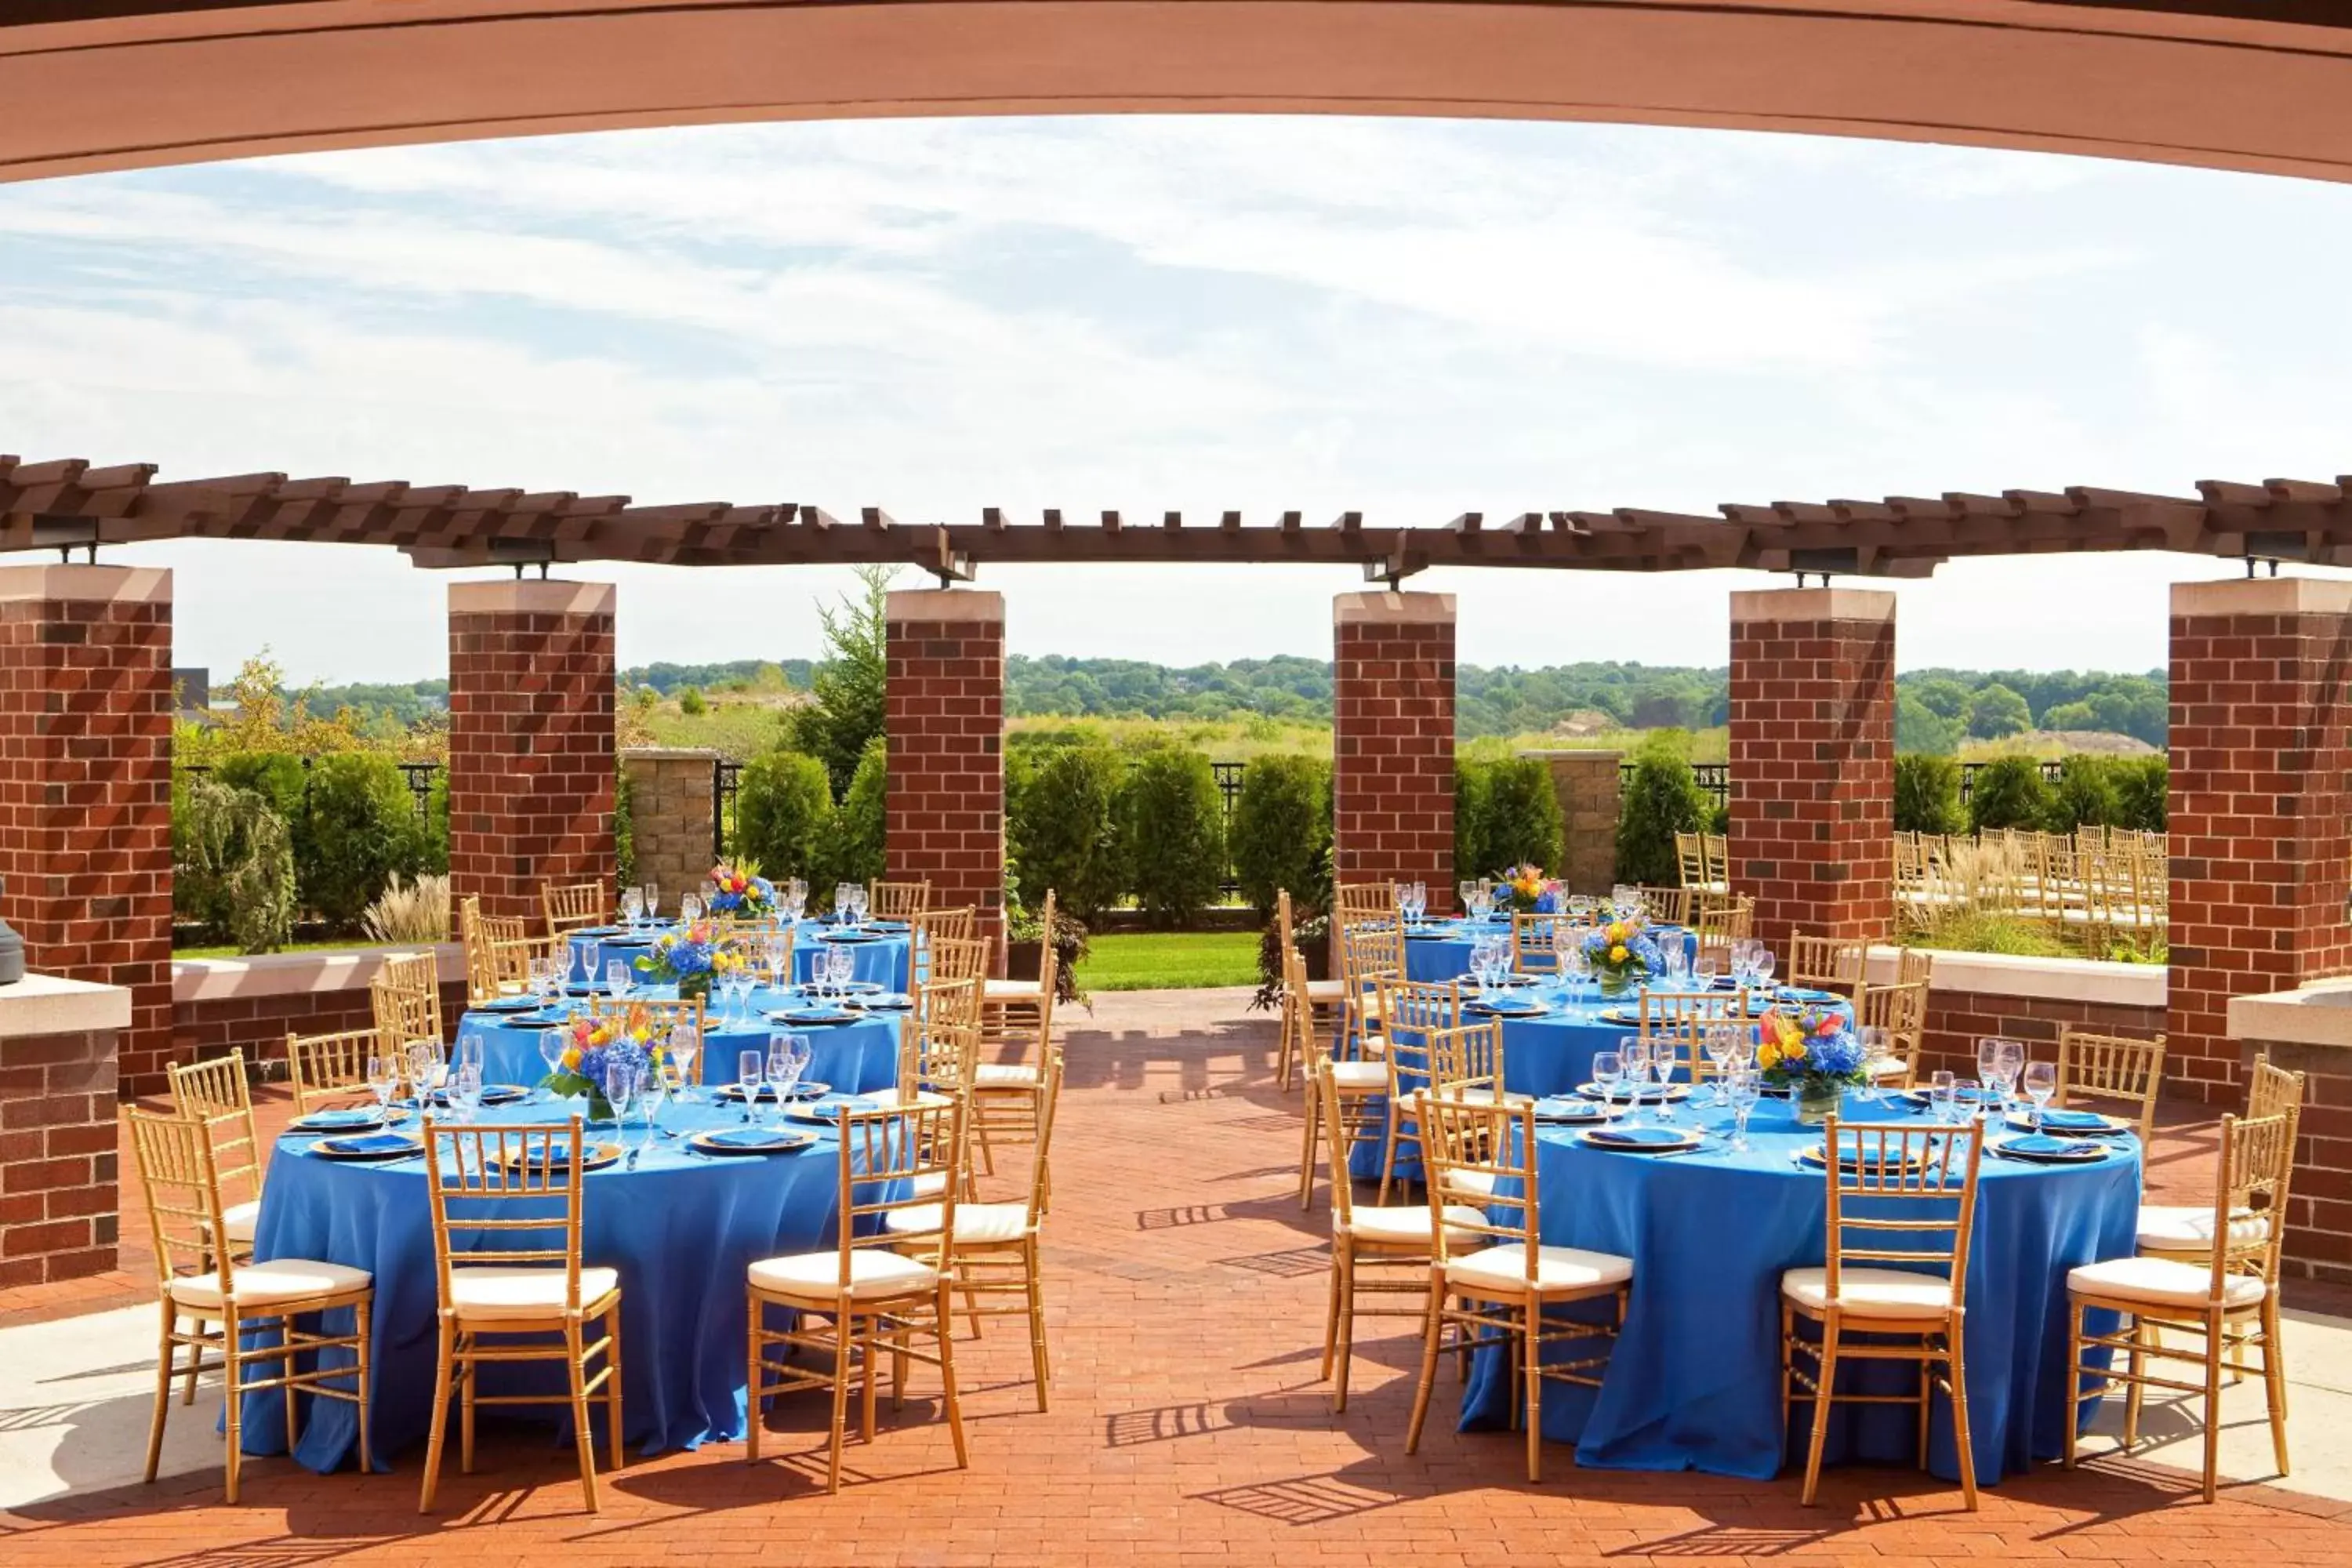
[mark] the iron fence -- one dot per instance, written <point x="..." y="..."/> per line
<point x="725" y="776"/>
<point x="419" y="777"/>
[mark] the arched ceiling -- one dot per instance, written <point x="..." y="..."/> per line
<point x="2262" y="85"/>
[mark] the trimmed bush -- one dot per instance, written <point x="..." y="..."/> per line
<point x="2085" y="796"/>
<point x="1171" y="834"/>
<point x="361" y="828"/>
<point x="1927" y="794"/>
<point x="1661" y="800"/>
<point x="624" y="825"/>
<point x="1282" y="833"/>
<point x="277" y="777"/>
<point x="1522" y="822"/>
<point x="1472" y="791"/>
<point x="232" y="865"/>
<point x="2009" y="792"/>
<point x="436" y="825"/>
<point x="1063" y="817"/>
<point x="2143" y="785"/>
<point x="859" y="825"/>
<point x="784" y="816"/>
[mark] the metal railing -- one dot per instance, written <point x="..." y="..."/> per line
<point x="419" y="777"/>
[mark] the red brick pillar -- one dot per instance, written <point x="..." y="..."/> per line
<point x="1812" y="761"/>
<point x="531" y="742"/>
<point x="2260" y="807"/>
<point x="1393" y="741"/>
<point x="59" y="1181"/>
<point x="86" y="786"/>
<point x="945" y="822"/>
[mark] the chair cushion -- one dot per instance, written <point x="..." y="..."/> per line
<point x="1370" y="1076"/>
<point x="1558" y="1269"/>
<point x="1327" y="993"/>
<point x="1886" y="1068"/>
<point x="491" y="1291"/>
<point x="975" y="1224"/>
<point x="1404" y="1225"/>
<point x="1004" y="1075"/>
<point x="2189" y="1227"/>
<point x="1030" y="991"/>
<point x="238" y="1220"/>
<point x="1871" y="1292"/>
<point x="1479" y="1184"/>
<point x="817" y="1276"/>
<point x="928" y="1183"/>
<point x="281" y="1279"/>
<point x="2160" y="1282"/>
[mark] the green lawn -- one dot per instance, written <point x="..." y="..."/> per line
<point x="1169" y="961"/>
<point x="325" y="944"/>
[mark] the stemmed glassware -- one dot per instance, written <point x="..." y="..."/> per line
<point x="681" y="1047"/>
<point x="1874" y="1050"/>
<point x="384" y="1081"/>
<point x="1665" y="1058"/>
<point x="1608" y="1072"/>
<point x="622" y="1081"/>
<point x="1721" y="1046"/>
<point x="689" y="908"/>
<point x="618" y="979"/>
<point x="751" y="1075"/>
<point x="841" y="966"/>
<point x="1634" y="1052"/>
<point x="470" y="1049"/>
<point x="1744" y="1087"/>
<point x="2012" y="1069"/>
<point x="426" y="1068"/>
<point x="795" y="897"/>
<point x="1760" y="963"/>
<point x="465" y="1091"/>
<point x="653" y="901"/>
<point x="633" y="907"/>
<point x="776" y="951"/>
<point x="1577" y="965"/>
<point x="1702" y="972"/>
<point x="1944" y="1096"/>
<point x="788" y="1057"/>
<point x="2041" y="1083"/>
<point x="551" y="1051"/>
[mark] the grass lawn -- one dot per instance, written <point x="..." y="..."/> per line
<point x="325" y="944"/>
<point x="1169" y="961"/>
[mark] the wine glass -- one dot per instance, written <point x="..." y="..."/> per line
<point x="1634" y="1052"/>
<point x="1467" y="893"/>
<point x="1943" y="1097"/>
<point x="633" y="906"/>
<point x="1874" y="1050"/>
<point x="425" y="1068"/>
<point x="384" y="1081"/>
<point x="1702" y="972"/>
<point x="1419" y="902"/>
<point x="842" y="965"/>
<point x="1666" y="1060"/>
<point x="2041" y="1083"/>
<point x="1761" y="964"/>
<point x="785" y="1064"/>
<point x="2012" y="1067"/>
<point x="751" y="1074"/>
<point x="1608" y="1072"/>
<point x="465" y="1091"/>
<point x="778" y="952"/>
<point x="622" y="1079"/>
<point x="689" y="908"/>
<point x="1721" y="1049"/>
<point x="551" y="1045"/>
<point x="618" y="979"/>
<point x="682" y="1047"/>
<point x="1747" y="1087"/>
<point x="1578" y="966"/>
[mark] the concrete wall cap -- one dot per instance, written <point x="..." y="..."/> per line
<point x="668" y="755"/>
<point x="1392" y="609"/>
<point x="519" y="597"/>
<point x="86" y="585"/>
<point x="297" y="974"/>
<point x="943" y="605"/>
<point x="2263" y="597"/>
<point x="2319" y="1014"/>
<point x="2052" y="979"/>
<point x="52" y="1004"/>
<point x="1757" y="604"/>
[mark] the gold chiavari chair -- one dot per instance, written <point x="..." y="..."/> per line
<point x="896" y="900"/>
<point x="940" y="1047"/>
<point x="2113" y="1067"/>
<point x="1369" y="954"/>
<point x="1829" y="963"/>
<point x="1536" y="940"/>
<point x="1719" y="921"/>
<point x="1668" y="906"/>
<point x="1690" y="860"/>
<point x="1678" y="1021"/>
<point x="485" y="981"/>
<point x="884" y="1282"/>
<point x="1890" y="1175"/>
<point x="1412" y="1014"/>
<point x="1382" y="1252"/>
<point x="572" y="905"/>
<point x="1008" y="1003"/>
<point x="2226" y="1299"/>
<point x="503" y="1279"/>
<point x="1913" y="966"/>
<point x="2184" y="1231"/>
<point x="406" y="993"/>
<point x="1366" y="903"/>
<point x="217" y="1093"/>
<point x="1358" y="1084"/>
<point x="233" y="1308"/>
<point x="324" y="1067"/>
<point x="404" y="1018"/>
<point x="1491" y="1275"/>
<point x="1466" y="1061"/>
<point x="2272" y="1091"/>
<point x="1901" y="1010"/>
<point x="994" y="1246"/>
<point x="1008" y="1092"/>
<point x="960" y="924"/>
<point x="1327" y="999"/>
<point x="1714" y="856"/>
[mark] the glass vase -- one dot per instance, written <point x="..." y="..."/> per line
<point x="1816" y="1101"/>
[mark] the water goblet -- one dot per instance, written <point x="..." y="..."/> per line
<point x="633" y="906"/>
<point x="751" y="1074"/>
<point x="689" y="908"/>
<point x="552" y="1044"/>
<point x="1747" y="1088"/>
<point x="653" y="901"/>
<point x="1702" y="972"/>
<point x="1873" y="1040"/>
<point x="1634" y="1052"/>
<point x="384" y="1081"/>
<point x="1608" y="1072"/>
<point x="841" y="965"/>
<point x="2041" y="1082"/>
<point x="621" y="1081"/>
<point x="681" y="1049"/>
<point x="1665" y="1058"/>
<point x="1721" y="1047"/>
<point x="470" y="1049"/>
<point x="1762" y="964"/>
<point x="465" y="1091"/>
<point x="2012" y="1069"/>
<point x="1467" y="893"/>
<point x="1969" y="1097"/>
<point x="618" y="979"/>
<point x="1943" y="1097"/>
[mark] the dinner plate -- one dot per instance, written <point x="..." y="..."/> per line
<point x="532" y="1023"/>
<point x="1642" y="1140"/>
<point x="889" y="928"/>
<point x="807" y="1088"/>
<point x="892" y="1002"/>
<point x="1865" y="1158"/>
<point x="1648" y="1096"/>
<point x="2071" y="1123"/>
<point x="509" y="1004"/>
<point x="2044" y="1150"/>
<point x="1507" y="1007"/>
<point x="355" y="1118"/>
<point x="1568" y="1108"/>
<point x="751" y="1140"/>
<point x="550" y="1153"/>
<point x="848" y="936"/>
<point x="596" y="930"/>
<point x="828" y="1107"/>
<point x="1619" y="1016"/>
<point x="369" y="1146"/>
<point x="813" y="1018"/>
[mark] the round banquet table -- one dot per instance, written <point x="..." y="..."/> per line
<point x="1440" y="950"/>
<point x="681" y="1228"/>
<point x="856" y="1057"/>
<point x="1694" y="1380"/>
<point x="883" y="957"/>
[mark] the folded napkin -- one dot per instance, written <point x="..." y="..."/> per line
<point x="2074" y="1120"/>
<point x="2044" y="1146"/>
<point x="1638" y="1137"/>
<point x="370" y="1144"/>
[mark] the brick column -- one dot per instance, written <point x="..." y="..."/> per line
<point x="670" y="815"/>
<point x="945" y="819"/>
<point x="86" y="785"/>
<point x="1591" y="791"/>
<point x="1812" y="760"/>
<point x="58" y="1184"/>
<point x="531" y="742"/>
<point x="2260" y="807"/>
<point x="1393" y="741"/>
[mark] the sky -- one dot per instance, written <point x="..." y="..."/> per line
<point x="1409" y="319"/>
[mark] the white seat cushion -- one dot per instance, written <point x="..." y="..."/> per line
<point x="1013" y="991"/>
<point x="1886" y="1067"/>
<point x="1479" y="1184"/>
<point x="928" y="1183"/>
<point x="238" y="1220"/>
<point x="2160" y="1282"/>
<point x="260" y="1284"/>
<point x="1558" y="1269"/>
<point x="1871" y="1292"/>
<point x="1401" y="1224"/>
<point x="1327" y="993"/>
<point x="2168" y="1228"/>
<point x="491" y="1291"/>
<point x="975" y="1224"/>
<point x="817" y="1276"/>
<point x="1004" y="1075"/>
<point x="1368" y="1077"/>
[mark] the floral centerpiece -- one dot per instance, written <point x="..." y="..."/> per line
<point x="690" y="958"/>
<point x="1622" y="954"/>
<point x="595" y="1047"/>
<point x="1813" y="1053"/>
<point x="739" y="890"/>
<point x="1526" y="888"/>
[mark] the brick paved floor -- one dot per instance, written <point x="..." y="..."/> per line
<point x="1186" y="1317"/>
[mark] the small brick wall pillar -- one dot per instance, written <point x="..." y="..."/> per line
<point x="2260" y="807"/>
<point x="531" y="742"/>
<point x="86" y="786"/>
<point x="1590" y="789"/>
<point x="1812" y="761"/>
<point x="945" y="817"/>
<point x="671" y="816"/>
<point x="1393" y="741"/>
<point x="59" y="1188"/>
<point x="2318" y="1243"/>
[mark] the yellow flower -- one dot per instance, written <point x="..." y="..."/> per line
<point x="1617" y="954"/>
<point x="1768" y="1056"/>
<point x="571" y="1059"/>
<point x="1617" y="933"/>
<point x="1795" y="1050"/>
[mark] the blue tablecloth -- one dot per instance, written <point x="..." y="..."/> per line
<point x="681" y="1228"/>
<point x="884" y="960"/>
<point x="1693" y="1383"/>
<point x="855" y="1058"/>
<point x="1440" y="950"/>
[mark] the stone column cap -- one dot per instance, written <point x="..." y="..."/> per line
<point x="1391" y="608"/>
<point x="86" y="585"/>
<point x="2263" y="597"/>
<point x="549" y="597"/>
<point x="669" y="753"/>
<point x="1753" y="605"/>
<point x="52" y="1004"/>
<point x="943" y="605"/>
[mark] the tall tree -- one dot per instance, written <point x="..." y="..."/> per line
<point x="851" y="686"/>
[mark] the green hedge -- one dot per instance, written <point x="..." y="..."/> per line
<point x="2010" y="792"/>
<point x="232" y="864"/>
<point x="863" y="817"/>
<point x="1062" y="817"/>
<point x="1171" y="834"/>
<point x="784" y="817"/>
<point x="2143" y="785"/>
<point x="1927" y="794"/>
<point x="360" y="828"/>
<point x="1505" y="813"/>
<point x="1661" y="800"/>
<point x="1282" y="833"/>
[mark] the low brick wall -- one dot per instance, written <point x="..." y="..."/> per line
<point x="1974" y="994"/>
<point x="59" y="1181"/>
<point x="2309" y="1031"/>
<point x="252" y="1004"/>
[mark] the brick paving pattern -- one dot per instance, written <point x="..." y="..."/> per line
<point x="1187" y="1300"/>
